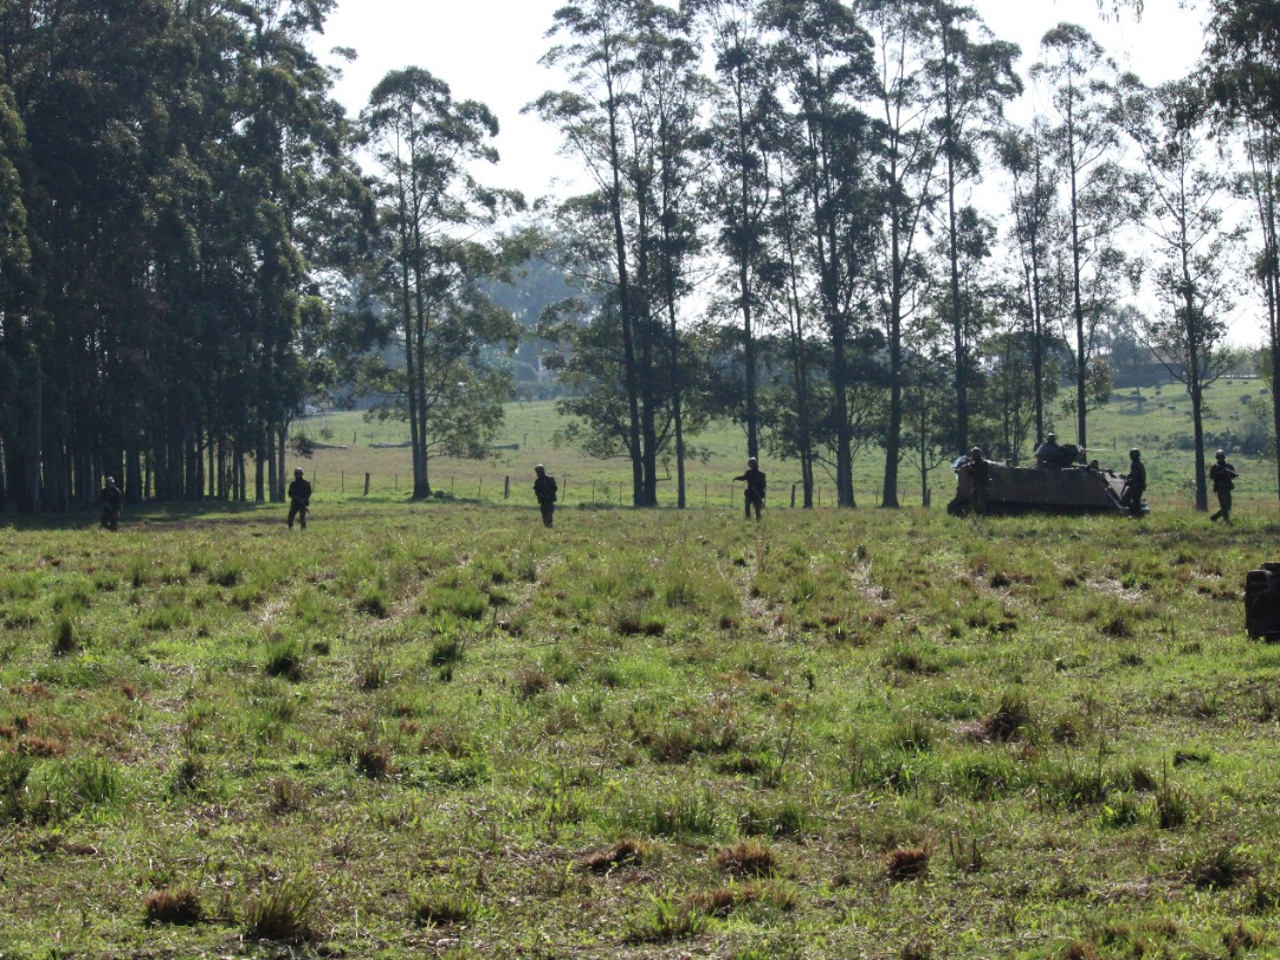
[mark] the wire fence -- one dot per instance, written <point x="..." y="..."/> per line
<point x="576" y="490"/>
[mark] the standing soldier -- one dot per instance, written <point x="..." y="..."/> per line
<point x="753" y="496"/>
<point x="1135" y="484"/>
<point x="1223" y="476"/>
<point x="545" y="489"/>
<point x="980" y="476"/>
<point x="111" y="499"/>
<point x="299" y="499"/>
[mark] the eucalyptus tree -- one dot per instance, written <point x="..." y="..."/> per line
<point x="826" y="70"/>
<point x="629" y="116"/>
<point x="1261" y="183"/>
<point x="1183" y="191"/>
<point x="1033" y="202"/>
<point x="905" y="98"/>
<point x="19" y="422"/>
<point x="665" y="119"/>
<point x="591" y="116"/>
<point x="1084" y="142"/>
<point x="1241" y="75"/>
<point x="976" y="78"/>
<point x="426" y="144"/>
<point x="743" y="133"/>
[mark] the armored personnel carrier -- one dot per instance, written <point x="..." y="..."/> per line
<point x="1042" y="489"/>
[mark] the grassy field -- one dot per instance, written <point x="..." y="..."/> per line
<point x="1159" y="423"/>
<point x="440" y="730"/>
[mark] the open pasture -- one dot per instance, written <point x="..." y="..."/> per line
<point x="1158" y="420"/>
<point x="439" y="730"/>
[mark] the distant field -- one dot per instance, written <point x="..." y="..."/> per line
<point x="440" y="730"/>
<point x="1155" y="424"/>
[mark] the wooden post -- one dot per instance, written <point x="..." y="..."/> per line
<point x="593" y="491"/>
<point x="366" y="484"/>
<point x="342" y="482"/>
<point x="506" y="488"/>
<point x="793" y="496"/>
<point x="564" y="490"/>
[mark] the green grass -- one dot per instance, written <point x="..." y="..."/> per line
<point x="441" y="728"/>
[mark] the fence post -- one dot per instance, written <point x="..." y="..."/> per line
<point x="593" y="490"/>
<point x="506" y="488"/>
<point x="793" y="496"/>
<point x="366" y="484"/>
<point x="342" y="481"/>
<point x="565" y="490"/>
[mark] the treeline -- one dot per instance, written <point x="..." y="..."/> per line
<point x="170" y="172"/>
<point x="884" y="258"/>
<point x="194" y="238"/>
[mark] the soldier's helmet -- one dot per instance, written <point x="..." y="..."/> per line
<point x="751" y="461"/>
<point x="1049" y="437"/>
<point x="976" y="453"/>
<point x="297" y="471"/>
<point x="1133" y="453"/>
<point x="1221" y="454"/>
<point x="111" y="481"/>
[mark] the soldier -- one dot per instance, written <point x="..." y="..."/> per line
<point x="1135" y="484"/>
<point x="753" y="496"/>
<point x="980" y="475"/>
<point x="111" y="499"/>
<point x="1049" y="454"/>
<point x="1223" y="476"/>
<point x="299" y="499"/>
<point x="545" y="489"/>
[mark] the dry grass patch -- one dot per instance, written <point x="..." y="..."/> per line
<point x="180" y="907"/>
<point x="622" y="854"/>
<point x="906" y="864"/>
<point x="750" y="858"/>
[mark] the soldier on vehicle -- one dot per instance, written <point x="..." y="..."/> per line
<point x="980" y="476"/>
<point x="1135" y="483"/>
<point x="1049" y="454"/>
<point x="1223" y="476"/>
<point x="111" y="499"/>
<point x="299" y="499"/>
<point x="545" y="489"/>
<point x="753" y="495"/>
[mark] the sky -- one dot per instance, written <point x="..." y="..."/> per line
<point x="488" y="50"/>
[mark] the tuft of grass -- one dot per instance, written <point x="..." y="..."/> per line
<point x="65" y="641"/>
<point x="906" y="864"/>
<point x="373" y="761"/>
<point x="625" y="853"/>
<point x="665" y="919"/>
<point x="1220" y="869"/>
<point x="442" y="905"/>
<point x="284" y="659"/>
<point x="286" y="796"/>
<point x="283" y="913"/>
<point x="1173" y="807"/>
<point x="532" y="680"/>
<point x="180" y="907"/>
<point x="1011" y="718"/>
<point x="750" y="858"/>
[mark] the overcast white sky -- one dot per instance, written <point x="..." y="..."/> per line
<point x="488" y="50"/>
